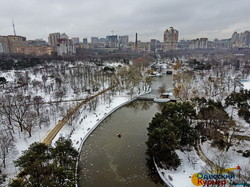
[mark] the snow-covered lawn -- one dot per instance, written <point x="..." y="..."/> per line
<point x="232" y="157"/>
<point x="182" y="176"/>
<point x="190" y="164"/>
<point x="22" y="142"/>
<point x="246" y="85"/>
<point x="78" y="126"/>
<point x="241" y="124"/>
<point x="77" y="129"/>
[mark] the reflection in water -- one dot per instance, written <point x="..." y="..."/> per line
<point x="152" y="172"/>
<point x="140" y="105"/>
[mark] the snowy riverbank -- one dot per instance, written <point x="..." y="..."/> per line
<point x="190" y="164"/>
<point x="87" y="121"/>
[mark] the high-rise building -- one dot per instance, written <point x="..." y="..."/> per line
<point x="85" y="41"/>
<point x="10" y="42"/>
<point x="64" y="36"/>
<point x="199" y="43"/>
<point x="65" y="47"/>
<point x="112" y="41"/>
<point x="241" y="39"/>
<point x="203" y="43"/>
<point x="35" y="50"/>
<point x="123" y="39"/>
<point x="75" y="40"/>
<point x="155" y="44"/>
<point x="170" y="39"/>
<point x="36" y="42"/>
<point x="183" y="44"/>
<point x="94" y="40"/>
<point x="102" y="40"/>
<point x="247" y="38"/>
<point x="53" y="37"/>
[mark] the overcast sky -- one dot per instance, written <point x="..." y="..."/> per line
<point x="149" y="18"/>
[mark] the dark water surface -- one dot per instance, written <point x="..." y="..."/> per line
<point x="109" y="161"/>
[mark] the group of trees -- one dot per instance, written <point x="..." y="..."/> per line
<point x="7" y="63"/>
<point x="183" y="88"/>
<point x="34" y="90"/>
<point x="240" y="100"/>
<point x="198" y="65"/>
<point x="212" y="120"/>
<point x="24" y="110"/>
<point x="170" y="130"/>
<point x="21" y="112"/>
<point x="32" y="98"/>
<point x="142" y="62"/>
<point x="7" y="146"/>
<point x="21" y="106"/>
<point x="19" y="116"/>
<point x="43" y="165"/>
<point x="183" y="124"/>
<point x="212" y="78"/>
<point x="132" y="79"/>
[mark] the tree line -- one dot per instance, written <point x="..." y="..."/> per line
<point x="170" y="130"/>
<point x="185" y="124"/>
<point x="43" y="165"/>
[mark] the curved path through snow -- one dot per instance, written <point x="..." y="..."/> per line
<point x="53" y="132"/>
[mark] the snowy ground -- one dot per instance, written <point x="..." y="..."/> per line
<point x="85" y="121"/>
<point x="182" y="176"/>
<point x="246" y="85"/>
<point x="190" y="164"/>
<point x="22" y="141"/>
<point x="231" y="158"/>
<point x="240" y="122"/>
<point x="77" y="127"/>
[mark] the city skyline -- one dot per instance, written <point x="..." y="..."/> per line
<point x="193" y="19"/>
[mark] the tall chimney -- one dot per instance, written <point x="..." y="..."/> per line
<point x="136" y="42"/>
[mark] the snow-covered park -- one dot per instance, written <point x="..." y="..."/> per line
<point x="191" y="163"/>
<point x="59" y="87"/>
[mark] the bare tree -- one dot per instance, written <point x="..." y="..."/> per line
<point x="6" y="145"/>
<point x="30" y="120"/>
<point x="38" y="102"/>
<point x="19" y="107"/>
<point x="93" y="103"/>
<point x="230" y="132"/>
<point x="217" y="164"/>
<point x="162" y="88"/>
<point x="148" y="83"/>
<point x="6" y="111"/>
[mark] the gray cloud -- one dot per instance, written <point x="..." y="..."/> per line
<point x="86" y="18"/>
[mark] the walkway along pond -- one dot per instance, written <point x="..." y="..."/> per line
<point x="107" y="160"/>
